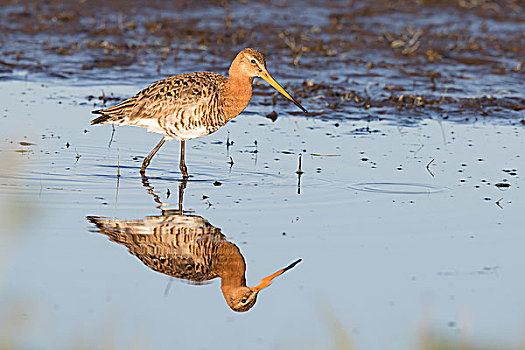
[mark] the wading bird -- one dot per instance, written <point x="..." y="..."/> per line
<point x="187" y="106"/>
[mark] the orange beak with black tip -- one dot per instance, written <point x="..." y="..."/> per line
<point x="266" y="76"/>
<point x="266" y="281"/>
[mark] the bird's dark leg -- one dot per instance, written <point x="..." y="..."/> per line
<point x="182" y="164"/>
<point x="182" y="186"/>
<point x="146" y="161"/>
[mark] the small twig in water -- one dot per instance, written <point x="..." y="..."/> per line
<point x="300" y="170"/>
<point x="297" y="58"/>
<point x="444" y="94"/>
<point x="112" y="134"/>
<point x="501" y="92"/>
<point x="428" y="165"/>
<point x="118" y="176"/>
<point x="118" y="163"/>
<point x="228" y="142"/>
<point x="299" y="173"/>
<point x="77" y="156"/>
<point x="116" y="192"/>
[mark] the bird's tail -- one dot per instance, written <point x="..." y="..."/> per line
<point x="116" y="230"/>
<point x="118" y="114"/>
<point x="107" y="118"/>
<point x="103" y="119"/>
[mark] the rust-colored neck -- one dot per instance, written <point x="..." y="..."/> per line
<point x="237" y="91"/>
<point x="230" y="267"/>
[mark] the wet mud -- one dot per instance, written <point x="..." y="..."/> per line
<point x="396" y="60"/>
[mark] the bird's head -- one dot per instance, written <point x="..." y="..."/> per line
<point x="251" y="63"/>
<point x="240" y="299"/>
<point x="243" y="298"/>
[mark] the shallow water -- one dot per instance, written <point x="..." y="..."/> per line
<point x="385" y="245"/>
<point x="407" y="217"/>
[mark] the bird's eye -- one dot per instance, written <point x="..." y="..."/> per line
<point x="244" y="300"/>
<point x="252" y="61"/>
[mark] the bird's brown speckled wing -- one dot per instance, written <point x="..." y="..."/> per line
<point x="182" y="246"/>
<point x="182" y="106"/>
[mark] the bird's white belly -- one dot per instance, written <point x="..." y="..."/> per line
<point x="151" y="124"/>
<point x="189" y="134"/>
<point x="178" y="134"/>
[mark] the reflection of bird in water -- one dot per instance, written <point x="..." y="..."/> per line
<point x="187" y="106"/>
<point x="187" y="247"/>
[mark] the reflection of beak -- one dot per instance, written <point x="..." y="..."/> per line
<point x="266" y="281"/>
<point x="266" y="76"/>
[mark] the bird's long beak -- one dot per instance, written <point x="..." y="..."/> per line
<point x="266" y="281"/>
<point x="266" y="76"/>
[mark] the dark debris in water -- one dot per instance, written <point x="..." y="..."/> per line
<point x="502" y="185"/>
<point x="104" y="98"/>
<point x="272" y="116"/>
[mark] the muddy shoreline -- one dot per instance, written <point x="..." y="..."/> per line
<point x="394" y="60"/>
